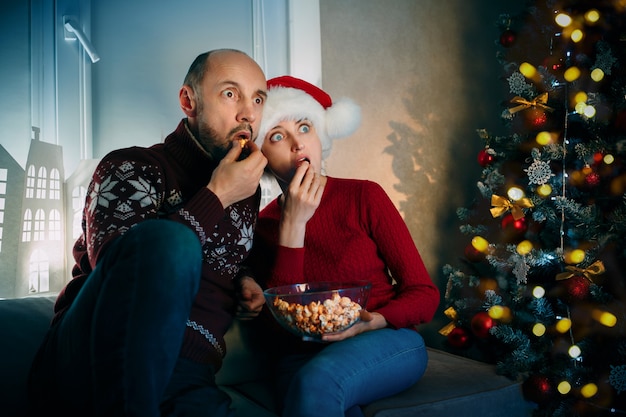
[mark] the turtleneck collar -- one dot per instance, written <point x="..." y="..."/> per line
<point x="186" y="149"/>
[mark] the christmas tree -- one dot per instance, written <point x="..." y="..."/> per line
<point x="540" y="289"/>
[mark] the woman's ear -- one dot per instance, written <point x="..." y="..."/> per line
<point x="187" y="101"/>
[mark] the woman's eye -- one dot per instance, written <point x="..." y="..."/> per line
<point x="258" y="100"/>
<point x="304" y="128"/>
<point x="276" y="137"/>
<point x="228" y="93"/>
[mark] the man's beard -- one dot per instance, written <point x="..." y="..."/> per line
<point x="211" y="142"/>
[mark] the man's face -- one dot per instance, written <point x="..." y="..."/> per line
<point x="231" y="104"/>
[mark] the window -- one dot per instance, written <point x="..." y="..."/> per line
<point x="41" y="182"/>
<point x="30" y="182"/>
<point x="40" y="225"/>
<point x="38" y="272"/>
<point x="55" y="184"/>
<point x="78" y="202"/>
<point x="54" y="225"/>
<point x="27" y="226"/>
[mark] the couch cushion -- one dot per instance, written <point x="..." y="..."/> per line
<point x="23" y="324"/>
<point x="455" y="386"/>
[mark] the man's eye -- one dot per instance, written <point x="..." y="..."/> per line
<point x="228" y="93"/>
<point x="258" y="100"/>
<point x="304" y="128"/>
<point x="276" y="137"/>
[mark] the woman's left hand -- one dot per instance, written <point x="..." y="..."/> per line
<point x="369" y="321"/>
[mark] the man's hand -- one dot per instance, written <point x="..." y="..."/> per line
<point x="251" y="299"/>
<point x="234" y="180"/>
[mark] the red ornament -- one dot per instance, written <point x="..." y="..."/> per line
<point x="472" y="254"/>
<point x="592" y="179"/>
<point x="508" y="37"/>
<point x="485" y="157"/>
<point x="459" y="338"/>
<point x="538" y="388"/>
<point x="481" y="324"/>
<point x="537" y="118"/>
<point x="512" y="228"/>
<point x="577" y="288"/>
<point x="554" y="64"/>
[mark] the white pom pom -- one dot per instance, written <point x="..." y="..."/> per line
<point x="342" y="118"/>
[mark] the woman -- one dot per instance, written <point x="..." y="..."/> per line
<point x="323" y="228"/>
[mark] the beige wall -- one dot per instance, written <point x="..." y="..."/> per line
<point x="426" y="76"/>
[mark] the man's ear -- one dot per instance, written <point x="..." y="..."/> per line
<point x="187" y="101"/>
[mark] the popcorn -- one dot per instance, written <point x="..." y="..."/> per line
<point x="330" y="316"/>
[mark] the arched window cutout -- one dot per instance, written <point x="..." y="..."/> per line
<point x="38" y="272"/>
<point x="42" y="180"/>
<point x="30" y="182"/>
<point x="39" y="229"/>
<point x="55" y="184"/>
<point x="27" y="226"/>
<point x="54" y="225"/>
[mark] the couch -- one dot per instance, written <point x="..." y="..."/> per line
<point x="452" y="385"/>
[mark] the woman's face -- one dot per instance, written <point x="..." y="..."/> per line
<point x="288" y="145"/>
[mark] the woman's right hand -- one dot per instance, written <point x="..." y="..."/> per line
<point x="300" y="202"/>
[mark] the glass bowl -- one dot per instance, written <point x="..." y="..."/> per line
<point x="313" y="309"/>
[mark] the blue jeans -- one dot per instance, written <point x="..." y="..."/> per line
<point x="115" y="350"/>
<point x="344" y="375"/>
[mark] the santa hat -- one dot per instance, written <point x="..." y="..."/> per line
<point x="290" y="98"/>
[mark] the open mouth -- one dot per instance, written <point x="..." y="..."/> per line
<point x="243" y="138"/>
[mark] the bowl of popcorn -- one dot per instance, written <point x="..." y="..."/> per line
<point x="313" y="309"/>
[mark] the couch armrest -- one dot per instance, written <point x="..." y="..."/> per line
<point x="23" y="324"/>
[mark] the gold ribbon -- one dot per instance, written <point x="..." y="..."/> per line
<point x="596" y="268"/>
<point x="451" y="314"/>
<point x="539" y="101"/>
<point x="501" y="205"/>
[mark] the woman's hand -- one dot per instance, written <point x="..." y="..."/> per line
<point x="300" y="202"/>
<point x="369" y="321"/>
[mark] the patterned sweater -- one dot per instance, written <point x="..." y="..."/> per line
<point x="355" y="233"/>
<point x="168" y="181"/>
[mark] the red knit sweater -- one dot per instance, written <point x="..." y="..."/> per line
<point x="168" y="181"/>
<point x="355" y="233"/>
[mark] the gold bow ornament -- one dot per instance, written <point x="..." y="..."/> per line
<point x="450" y="313"/>
<point x="596" y="268"/>
<point x="522" y="104"/>
<point x="501" y="205"/>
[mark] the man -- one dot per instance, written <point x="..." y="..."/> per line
<point x="139" y="329"/>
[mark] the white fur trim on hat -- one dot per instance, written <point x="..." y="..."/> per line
<point x="285" y="103"/>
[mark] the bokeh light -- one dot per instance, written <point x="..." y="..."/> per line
<point x="544" y="190"/>
<point x="563" y="325"/>
<point x="480" y="244"/>
<point x="589" y="390"/>
<point x="515" y="193"/>
<point x="528" y="70"/>
<point x="539" y="329"/>
<point x="564" y="387"/>
<point x="592" y="16"/>
<point x="604" y="317"/>
<point x="577" y="35"/>
<point x="563" y="20"/>
<point x="574" y="351"/>
<point x="571" y="74"/>
<point x="597" y="75"/>
<point x="524" y="247"/>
